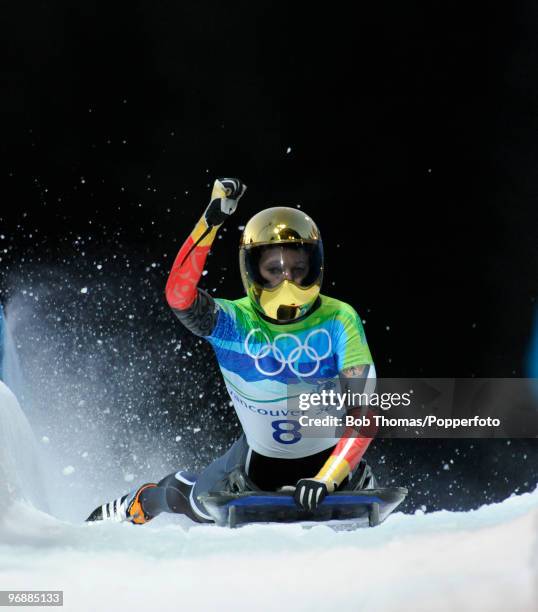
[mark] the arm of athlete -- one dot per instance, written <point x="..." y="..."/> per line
<point x="346" y="455"/>
<point x="194" y="307"/>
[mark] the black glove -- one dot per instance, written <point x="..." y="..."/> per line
<point x="309" y="493"/>
<point x="224" y="197"/>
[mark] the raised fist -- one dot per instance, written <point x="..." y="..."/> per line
<point x="224" y="197"/>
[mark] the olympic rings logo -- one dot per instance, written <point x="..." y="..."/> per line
<point x="295" y="354"/>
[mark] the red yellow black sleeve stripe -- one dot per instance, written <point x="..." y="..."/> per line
<point x="346" y="455"/>
<point x="181" y="288"/>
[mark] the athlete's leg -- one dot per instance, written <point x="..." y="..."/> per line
<point x="172" y="494"/>
<point x="175" y="493"/>
<point x="178" y="492"/>
<point x="215" y="476"/>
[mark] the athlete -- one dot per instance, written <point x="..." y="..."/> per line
<point x="284" y="332"/>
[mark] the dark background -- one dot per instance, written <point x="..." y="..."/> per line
<point x="406" y="130"/>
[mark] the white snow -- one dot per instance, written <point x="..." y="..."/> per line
<point x="20" y="469"/>
<point x="480" y="560"/>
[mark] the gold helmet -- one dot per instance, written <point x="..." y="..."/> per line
<point x="281" y="262"/>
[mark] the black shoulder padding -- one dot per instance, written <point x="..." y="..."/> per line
<point x="201" y="317"/>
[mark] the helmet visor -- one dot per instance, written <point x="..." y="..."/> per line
<point x="269" y="265"/>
